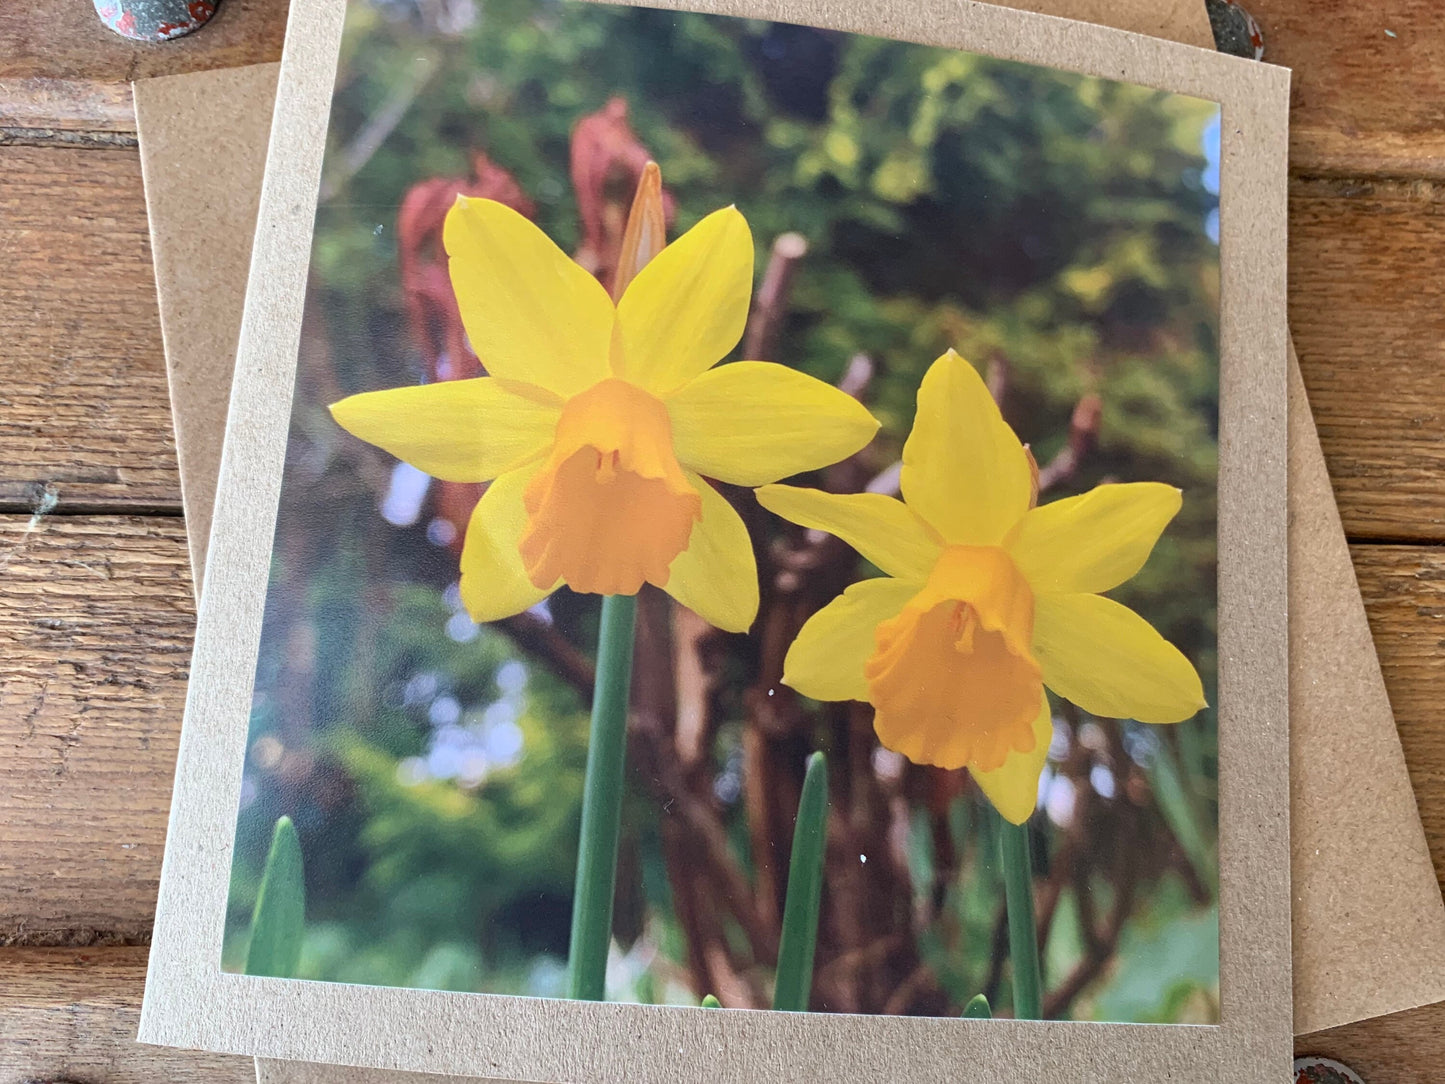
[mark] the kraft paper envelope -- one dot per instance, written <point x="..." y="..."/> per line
<point x="1368" y="920"/>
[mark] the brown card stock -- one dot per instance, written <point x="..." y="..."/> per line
<point x="1368" y="924"/>
<point x="189" y="1002"/>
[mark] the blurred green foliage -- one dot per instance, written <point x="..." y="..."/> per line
<point x="1057" y="223"/>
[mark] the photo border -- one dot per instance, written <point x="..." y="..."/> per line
<point x="190" y="1002"/>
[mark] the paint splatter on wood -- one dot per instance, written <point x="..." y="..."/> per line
<point x="154" y="20"/>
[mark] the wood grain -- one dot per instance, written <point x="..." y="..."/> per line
<point x="1404" y="592"/>
<point x="1402" y="1048"/>
<point x="97" y="616"/>
<point x="96" y="621"/>
<point x="68" y="42"/>
<point x="96" y="611"/>
<point x="1367" y="308"/>
<point x="83" y="406"/>
<point x="86" y="410"/>
<point x="38" y="110"/>
<point x="71" y="1016"/>
<point x="1368" y="93"/>
<point x="1366" y="101"/>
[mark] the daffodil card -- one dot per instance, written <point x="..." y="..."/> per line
<point x="747" y="550"/>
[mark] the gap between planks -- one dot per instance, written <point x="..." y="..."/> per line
<point x="1368" y="78"/>
<point x="68" y="1015"/>
<point x="98" y="618"/>
<point x="87" y="409"/>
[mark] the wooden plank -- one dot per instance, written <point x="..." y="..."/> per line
<point x="1404" y="592"/>
<point x="1369" y="79"/>
<point x="1367" y="307"/>
<point x="65" y="78"/>
<point x="69" y="1016"/>
<point x="83" y="407"/>
<point x="86" y="407"/>
<point x="1368" y="86"/>
<point x="1369" y="82"/>
<point x="68" y="42"/>
<point x="96" y="621"/>
<point x="1402" y="1048"/>
<point x="37" y="110"/>
<point x="96" y="614"/>
<point x="41" y="978"/>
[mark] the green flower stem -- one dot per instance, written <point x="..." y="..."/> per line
<point x="602" y="802"/>
<point x="278" y="923"/>
<point x="805" y="889"/>
<point x="1022" y="936"/>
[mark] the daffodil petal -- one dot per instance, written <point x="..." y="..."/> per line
<point x="456" y="430"/>
<point x="753" y="422"/>
<point x="964" y="470"/>
<point x="827" y="656"/>
<point x="494" y="583"/>
<point x="687" y="307"/>
<point x="716" y="577"/>
<point x="531" y="313"/>
<point x="1095" y="541"/>
<point x="1111" y="662"/>
<point x="1014" y="788"/>
<point x="881" y="528"/>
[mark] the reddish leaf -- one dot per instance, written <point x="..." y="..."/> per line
<point x="436" y="323"/>
<point x="607" y="162"/>
<point x="431" y="306"/>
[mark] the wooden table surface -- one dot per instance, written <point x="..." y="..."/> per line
<point x="96" y="610"/>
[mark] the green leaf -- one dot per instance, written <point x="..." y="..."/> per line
<point x="710" y="1002"/>
<point x="1171" y="791"/>
<point x="977" y="1009"/>
<point x="279" y="920"/>
<point x="805" y="890"/>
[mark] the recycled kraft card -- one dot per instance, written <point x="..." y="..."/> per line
<point x="491" y="713"/>
<point x="1363" y="882"/>
<point x="1340" y="954"/>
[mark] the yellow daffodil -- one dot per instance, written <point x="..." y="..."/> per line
<point x="986" y="599"/>
<point x="598" y="421"/>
